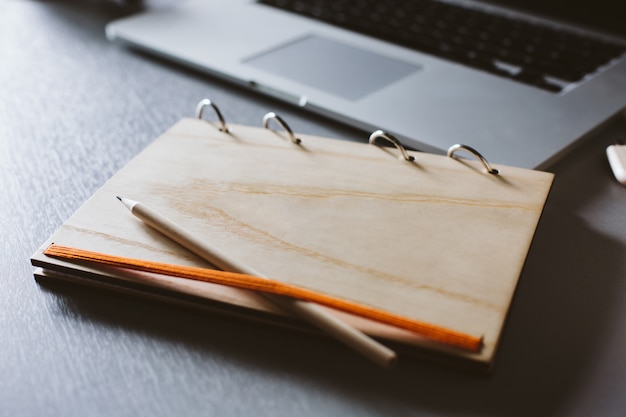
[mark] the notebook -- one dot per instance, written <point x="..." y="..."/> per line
<point x="522" y="80"/>
<point x="439" y="239"/>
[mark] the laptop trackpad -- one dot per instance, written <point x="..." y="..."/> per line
<point x="339" y="69"/>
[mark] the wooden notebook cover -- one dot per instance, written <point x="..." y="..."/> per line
<point x="437" y="239"/>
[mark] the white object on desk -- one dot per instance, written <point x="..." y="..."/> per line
<point x="617" y="160"/>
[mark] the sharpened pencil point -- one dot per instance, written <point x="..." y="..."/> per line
<point x="130" y="204"/>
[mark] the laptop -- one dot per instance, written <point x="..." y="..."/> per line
<point x="523" y="82"/>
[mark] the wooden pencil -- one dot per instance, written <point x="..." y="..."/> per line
<point x="352" y="337"/>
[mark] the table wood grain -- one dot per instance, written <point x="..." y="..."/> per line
<point x="75" y="108"/>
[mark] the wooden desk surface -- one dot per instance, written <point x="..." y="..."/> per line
<point x="75" y="108"/>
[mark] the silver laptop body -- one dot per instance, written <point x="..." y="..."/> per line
<point x="427" y="102"/>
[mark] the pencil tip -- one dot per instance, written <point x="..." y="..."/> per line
<point x="118" y="197"/>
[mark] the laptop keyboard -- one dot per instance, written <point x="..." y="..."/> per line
<point x="534" y="54"/>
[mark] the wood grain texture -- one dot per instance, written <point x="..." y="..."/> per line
<point x="74" y="109"/>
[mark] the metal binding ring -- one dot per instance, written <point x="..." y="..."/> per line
<point x="284" y="125"/>
<point x="474" y="152"/>
<point x="389" y="137"/>
<point x="206" y="102"/>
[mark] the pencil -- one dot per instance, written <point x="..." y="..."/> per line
<point x="432" y="332"/>
<point x="340" y="330"/>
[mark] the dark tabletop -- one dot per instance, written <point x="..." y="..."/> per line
<point x="75" y="108"/>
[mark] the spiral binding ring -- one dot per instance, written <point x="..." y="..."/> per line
<point x="389" y="137"/>
<point x="282" y="123"/>
<point x="206" y="102"/>
<point x="474" y="152"/>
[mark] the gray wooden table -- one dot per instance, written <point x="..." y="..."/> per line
<point x="74" y="109"/>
